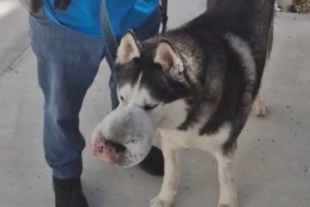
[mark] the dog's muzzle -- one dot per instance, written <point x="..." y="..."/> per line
<point x="124" y="137"/>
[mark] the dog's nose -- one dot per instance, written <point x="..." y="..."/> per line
<point x="108" y="151"/>
<point x="119" y="148"/>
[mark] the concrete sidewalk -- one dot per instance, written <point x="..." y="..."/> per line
<point x="273" y="158"/>
<point x="14" y="32"/>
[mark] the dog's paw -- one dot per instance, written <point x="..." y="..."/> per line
<point x="277" y="8"/>
<point x="157" y="202"/>
<point x="260" y="106"/>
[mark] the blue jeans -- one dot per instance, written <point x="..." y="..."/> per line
<point x="67" y="63"/>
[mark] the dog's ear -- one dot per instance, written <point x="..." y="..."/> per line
<point x="167" y="57"/>
<point x="128" y="48"/>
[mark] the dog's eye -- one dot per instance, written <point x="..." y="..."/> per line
<point x="122" y="98"/>
<point x="149" y="107"/>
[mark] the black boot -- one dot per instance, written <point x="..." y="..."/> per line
<point x="153" y="164"/>
<point x="68" y="193"/>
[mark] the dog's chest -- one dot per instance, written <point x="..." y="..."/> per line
<point x="191" y="138"/>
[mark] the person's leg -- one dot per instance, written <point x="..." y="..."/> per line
<point x="67" y="64"/>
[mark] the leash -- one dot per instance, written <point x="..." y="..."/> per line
<point x="108" y="36"/>
<point x="164" y="14"/>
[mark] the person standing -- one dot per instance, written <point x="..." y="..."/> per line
<point x="67" y="39"/>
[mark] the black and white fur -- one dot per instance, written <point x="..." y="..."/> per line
<point x="198" y="83"/>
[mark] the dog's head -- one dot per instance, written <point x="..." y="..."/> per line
<point x="150" y="76"/>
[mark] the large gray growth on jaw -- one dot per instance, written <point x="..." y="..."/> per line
<point x="131" y="127"/>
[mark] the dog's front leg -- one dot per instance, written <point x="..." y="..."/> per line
<point x="228" y="190"/>
<point x="260" y="106"/>
<point x="171" y="178"/>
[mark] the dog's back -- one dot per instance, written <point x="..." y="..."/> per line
<point x="254" y="23"/>
<point x="224" y="51"/>
<point x="246" y="18"/>
<point x="251" y="20"/>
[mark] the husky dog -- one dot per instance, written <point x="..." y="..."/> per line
<point x="197" y="84"/>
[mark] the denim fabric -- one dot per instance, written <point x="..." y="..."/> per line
<point x="67" y="63"/>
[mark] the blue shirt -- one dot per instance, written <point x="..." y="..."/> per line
<point x="84" y="15"/>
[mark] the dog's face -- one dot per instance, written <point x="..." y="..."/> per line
<point x="149" y="77"/>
